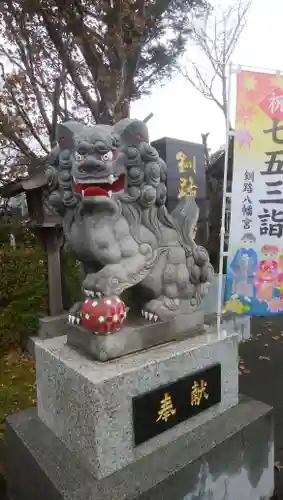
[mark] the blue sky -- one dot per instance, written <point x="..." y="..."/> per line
<point x="181" y="112"/>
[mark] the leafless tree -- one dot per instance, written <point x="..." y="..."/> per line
<point x="216" y="37"/>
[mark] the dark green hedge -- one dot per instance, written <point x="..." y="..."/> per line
<point x="24" y="283"/>
<point x="23" y="292"/>
<point x="18" y="227"/>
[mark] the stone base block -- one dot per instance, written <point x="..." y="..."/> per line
<point x="52" y="326"/>
<point x="138" y="337"/>
<point x="49" y="327"/>
<point x="89" y="405"/>
<point x="231" y="323"/>
<point x="230" y="457"/>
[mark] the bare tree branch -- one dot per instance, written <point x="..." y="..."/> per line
<point x="69" y="64"/>
<point x="27" y="58"/>
<point x="21" y="110"/>
<point x="201" y="85"/>
<point x="216" y="37"/>
<point x="18" y="141"/>
<point x="56" y="110"/>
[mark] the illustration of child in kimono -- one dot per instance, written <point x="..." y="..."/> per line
<point x="243" y="268"/>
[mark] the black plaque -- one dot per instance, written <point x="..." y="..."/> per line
<point x="179" y="178"/>
<point x="193" y="166"/>
<point x="161" y="409"/>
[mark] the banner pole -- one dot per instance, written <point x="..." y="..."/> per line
<point x="222" y="228"/>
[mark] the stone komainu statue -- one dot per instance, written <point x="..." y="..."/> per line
<point x="109" y="185"/>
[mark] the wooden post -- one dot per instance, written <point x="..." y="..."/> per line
<point x="53" y="239"/>
<point x="48" y="229"/>
<point x="35" y="205"/>
<point x="50" y="234"/>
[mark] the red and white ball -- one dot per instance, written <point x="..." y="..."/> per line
<point x="104" y="315"/>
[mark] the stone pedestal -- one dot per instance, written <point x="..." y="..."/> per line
<point x="229" y="457"/>
<point x="88" y="404"/>
<point x="160" y="424"/>
<point x="137" y="337"/>
<point x="52" y="326"/>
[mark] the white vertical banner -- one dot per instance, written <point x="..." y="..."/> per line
<point x="254" y="279"/>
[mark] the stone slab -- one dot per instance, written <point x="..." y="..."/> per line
<point x="49" y="327"/>
<point x="229" y="457"/>
<point x="88" y="404"/>
<point x="231" y="323"/>
<point x="144" y="334"/>
<point x="52" y="326"/>
<point x="210" y="301"/>
<point x="108" y="347"/>
<point x="135" y="338"/>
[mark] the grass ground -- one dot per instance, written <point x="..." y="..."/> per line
<point x="17" y="384"/>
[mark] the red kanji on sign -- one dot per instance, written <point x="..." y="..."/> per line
<point x="272" y="104"/>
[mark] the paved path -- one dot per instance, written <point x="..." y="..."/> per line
<point x="262" y="378"/>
